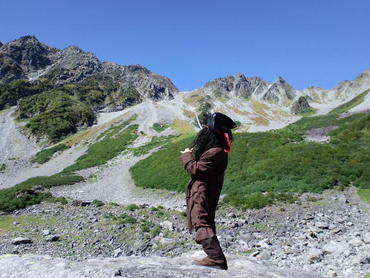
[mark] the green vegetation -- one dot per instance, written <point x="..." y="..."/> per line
<point x="132" y="207"/>
<point x="348" y="105"/>
<point x="2" y="167"/>
<point x="258" y="200"/>
<point x="308" y="112"/>
<point x="279" y="162"/>
<point x="112" y="144"/>
<point x="162" y="169"/>
<point x="123" y="219"/>
<point x="14" y="91"/>
<point x="367" y="275"/>
<point x="364" y="192"/>
<point x="45" y="155"/>
<point x="55" y="111"/>
<point x="21" y="223"/>
<point x="154" y="143"/>
<point x="97" y="203"/>
<point x="54" y="114"/>
<point x="25" y="194"/>
<point x="160" y="127"/>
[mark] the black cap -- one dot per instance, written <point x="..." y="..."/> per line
<point x="219" y="121"/>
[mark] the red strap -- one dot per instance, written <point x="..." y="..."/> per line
<point x="228" y="142"/>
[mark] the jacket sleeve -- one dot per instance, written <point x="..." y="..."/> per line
<point x="206" y="164"/>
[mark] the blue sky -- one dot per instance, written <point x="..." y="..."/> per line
<point x="313" y="42"/>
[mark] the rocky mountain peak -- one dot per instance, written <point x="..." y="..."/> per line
<point x="20" y="57"/>
<point x="280" y="80"/>
<point x="1" y="44"/>
<point x="279" y="91"/>
<point x="27" y="58"/>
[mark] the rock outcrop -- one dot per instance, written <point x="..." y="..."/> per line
<point x="28" y="59"/>
<point x="301" y="105"/>
<point x="238" y="84"/>
<point x="251" y="87"/>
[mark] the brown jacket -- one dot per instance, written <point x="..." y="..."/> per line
<point x="204" y="188"/>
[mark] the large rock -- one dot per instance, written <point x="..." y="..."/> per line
<point x="42" y="266"/>
<point x="335" y="248"/>
<point x="21" y="240"/>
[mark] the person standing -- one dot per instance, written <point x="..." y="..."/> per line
<point x="206" y="163"/>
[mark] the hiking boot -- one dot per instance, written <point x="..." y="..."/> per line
<point x="219" y="264"/>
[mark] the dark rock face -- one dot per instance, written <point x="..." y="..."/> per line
<point x="29" y="59"/>
<point x="301" y="105"/>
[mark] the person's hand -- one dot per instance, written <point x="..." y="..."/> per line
<point x="187" y="150"/>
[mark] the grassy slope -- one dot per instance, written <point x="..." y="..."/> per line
<point x="352" y="103"/>
<point x="276" y="161"/>
<point x="46" y="154"/>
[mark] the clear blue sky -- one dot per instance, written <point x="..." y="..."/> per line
<point x="313" y="42"/>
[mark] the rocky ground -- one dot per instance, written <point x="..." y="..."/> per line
<point x="327" y="234"/>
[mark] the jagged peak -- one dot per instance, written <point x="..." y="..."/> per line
<point x="28" y="38"/>
<point x="240" y="76"/>
<point x="137" y="68"/>
<point x="280" y="79"/>
<point x="73" y="48"/>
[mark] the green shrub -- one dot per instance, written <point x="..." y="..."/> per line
<point x="23" y="195"/>
<point x="45" y="155"/>
<point x="123" y="219"/>
<point x="132" y="207"/>
<point x="97" y="203"/>
<point x="160" y="127"/>
<point x="54" y="114"/>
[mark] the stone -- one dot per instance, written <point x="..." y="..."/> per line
<point x="46" y="232"/>
<point x="335" y="248"/>
<point x="168" y="225"/>
<point x="264" y="255"/>
<point x="52" y="238"/>
<point x="118" y="252"/>
<point x="322" y="225"/>
<point x="79" y="203"/>
<point x="231" y="215"/>
<point x="314" y="255"/>
<point x="263" y="243"/>
<point x="21" y="240"/>
<point x="118" y="273"/>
